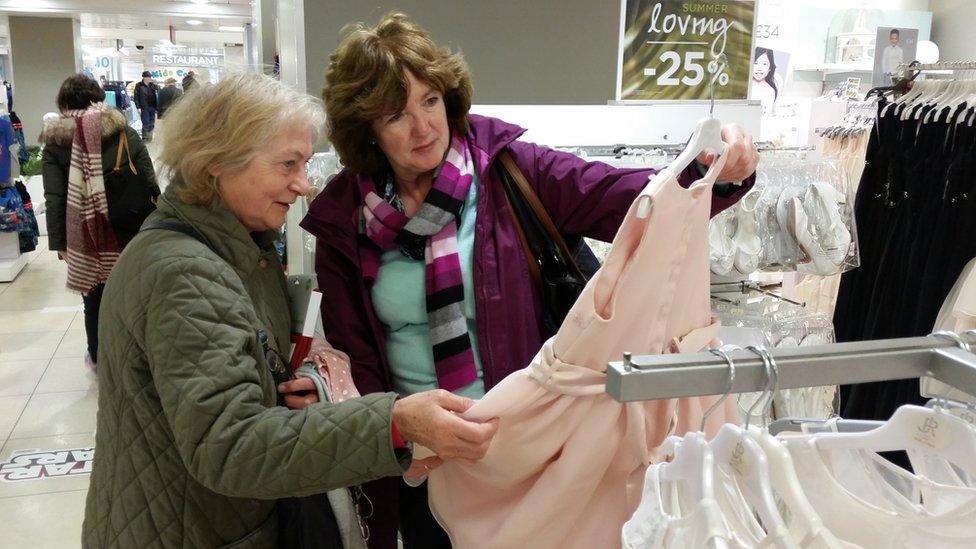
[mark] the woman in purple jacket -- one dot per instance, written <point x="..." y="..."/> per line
<point x="426" y="285"/>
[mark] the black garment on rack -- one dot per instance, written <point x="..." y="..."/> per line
<point x="916" y="213"/>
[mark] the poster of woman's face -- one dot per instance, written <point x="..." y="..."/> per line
<point x="769" y="70"/>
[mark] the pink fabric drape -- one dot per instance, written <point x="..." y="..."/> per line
<point x="567" y="464"/>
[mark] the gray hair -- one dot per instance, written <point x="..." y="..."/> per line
<point x="223" y="126"/>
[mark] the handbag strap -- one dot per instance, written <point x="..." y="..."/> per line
<point x="535" y="204"/>
<point x="123" y="145"/>
<point x="534" y="272"/>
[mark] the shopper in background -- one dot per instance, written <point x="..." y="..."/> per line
<point x="147" y="101"/>
<point x="189" y="81"/>
<point x="194" y="446"/>
<point x="168" y="95"/>
<point x="93" y="211"/>
<point x="436" y="292"/>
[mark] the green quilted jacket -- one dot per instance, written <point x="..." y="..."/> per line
<point x="192" y="450"/>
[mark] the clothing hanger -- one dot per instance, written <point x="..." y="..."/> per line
<point x="919" y="88"/>
<point x="933" y="98"/>
<point x="786" y="484"/>
<point x="955" y="92"/>
<point x="741" y="457"/>
<point x="914" y="429"/>
<point x="707" y="135"/>
<point x="692" y="461"/>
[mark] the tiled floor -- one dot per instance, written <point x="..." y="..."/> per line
<point x="47" y="405"/>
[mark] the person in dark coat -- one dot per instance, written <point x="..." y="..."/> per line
<point x="189" y="81"/>
<point x="81" y="96"/>
<point x="168" y="95"/>
<point x="147" y="101"/>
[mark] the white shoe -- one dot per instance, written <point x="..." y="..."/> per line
<point x="788" y="251"/>
<point x="827" y="201"/>
<point x="721" y="248"/>
<point x="816" y="224"/>
<point x="748" y="245"/>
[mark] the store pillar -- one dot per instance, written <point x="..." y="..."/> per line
<point x="39" y="71"/>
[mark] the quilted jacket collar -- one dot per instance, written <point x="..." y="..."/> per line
<point x="221" y="228"/>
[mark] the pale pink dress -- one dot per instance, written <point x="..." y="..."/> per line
<point x="567" y="465"/>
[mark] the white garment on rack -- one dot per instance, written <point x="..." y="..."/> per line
<point x="958" y="314"/>
<point x="656" y="525"/>
<point x="746" y="530"/>
<point x="882" y="523"/>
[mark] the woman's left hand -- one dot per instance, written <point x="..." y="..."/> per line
<point x="743" y="157"/>
<point x="299" y="393"/>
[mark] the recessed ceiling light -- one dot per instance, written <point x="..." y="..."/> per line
<point x="194" y="22"/>
<point x="200" y="1"/>
<point x="231" y="29"/>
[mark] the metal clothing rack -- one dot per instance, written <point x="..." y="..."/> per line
<point x="939" y="66"/>
<point x="620" y="150"/>
<point x="655" y="377"/>
<point x="746" y="287"/>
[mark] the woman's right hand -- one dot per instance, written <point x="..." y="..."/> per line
<point x="430" y="419"/>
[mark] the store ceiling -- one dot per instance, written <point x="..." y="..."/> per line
<point x="130" y="21"/>
<point x="172" y="8"/>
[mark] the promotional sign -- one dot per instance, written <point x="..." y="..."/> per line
<point x="892" y="47"/>
<point x="162" y="73"/>
<point x="187" y="60"/>
<point x="853" y="90"/>
<point x="666" y="49"/>
<point x="769" y="72"/>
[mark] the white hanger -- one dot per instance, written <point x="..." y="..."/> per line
<point x="737" y="454"/>
<point x="917" y="90"/>
<point x="951" y="98"/>
<point x="920" y="91"/>
<point x="706" y="137"/>
<point x="932" y="98"/>
<point x="964" y="97"/>
<point x="692" y="461"/>
<point x="914" y="429"/>
<point x="784" y="480"/>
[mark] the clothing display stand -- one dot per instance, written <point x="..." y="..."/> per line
<point x="11" y="260"/>
<point x="682" y="375"/>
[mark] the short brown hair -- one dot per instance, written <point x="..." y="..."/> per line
<point x="225" y="125"/>
<point x="79" y="91"/>
<point x="367" y="79"/>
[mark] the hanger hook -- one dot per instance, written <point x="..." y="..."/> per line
<point x="715" y="68"/>
<point x="769" y="381"/>
<point x="728" y="389"/>
<point x="774" y="369"/>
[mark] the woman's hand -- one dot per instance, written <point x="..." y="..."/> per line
<point x="743" y="157"/>
<point x="419" y="468"/>
<point x="299" y="393"/>
<point x="430" y="419"/>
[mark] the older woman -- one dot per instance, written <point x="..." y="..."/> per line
<point x="426" y="283"/>
<point x="193" y="449"/>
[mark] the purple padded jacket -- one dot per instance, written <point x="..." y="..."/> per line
<point x="583" y="198"/>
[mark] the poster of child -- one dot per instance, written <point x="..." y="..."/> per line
<point x="769" y="70"/>
<point x="894" y="46"/>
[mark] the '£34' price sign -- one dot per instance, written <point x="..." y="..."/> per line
<point x="669" y="49"/>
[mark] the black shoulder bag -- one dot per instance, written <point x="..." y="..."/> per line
<point x="552" y="265"/>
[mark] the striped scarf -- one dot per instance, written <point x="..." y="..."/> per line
<point x="92" y="246"/>
<point x="430" y="234"/>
